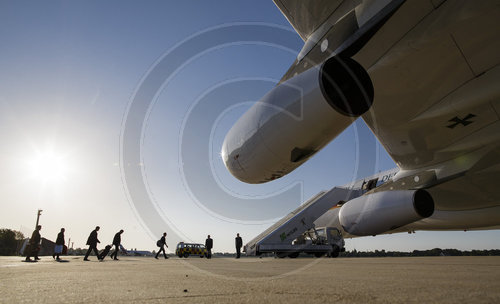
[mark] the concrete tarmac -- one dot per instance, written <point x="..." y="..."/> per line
<point x="252" y="280"/>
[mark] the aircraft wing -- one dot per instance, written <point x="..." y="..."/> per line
<point x="436" y="93"/>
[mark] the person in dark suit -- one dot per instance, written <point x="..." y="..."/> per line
<point x="209" y="244"/>
<point x="239" y="243"/>
<point x="117" y="240"/>
<point x="33" y="245"/>
<point x="161" y="243"/>
<point x="58" y="249"/>
<point x="92" y="242"/>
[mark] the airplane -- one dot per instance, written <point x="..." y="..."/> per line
<point x="135" y="252"/>
<point x="423" y="75"/>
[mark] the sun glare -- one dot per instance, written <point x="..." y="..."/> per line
<point x="48" y="167"/>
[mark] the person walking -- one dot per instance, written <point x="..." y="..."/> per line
<point x="162" y="243"/>
<point x="239" y="243"/>
<point x="209" y="244"/>
<point x="92" y="242"/>
<point x="58" y="248"/>
<point x="34" y="243"/>
<point x="117" y="240"/>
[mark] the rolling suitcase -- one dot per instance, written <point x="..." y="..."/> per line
<point x="104" y="253"/>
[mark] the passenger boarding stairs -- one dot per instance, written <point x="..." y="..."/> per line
<point x="279" y="237"/>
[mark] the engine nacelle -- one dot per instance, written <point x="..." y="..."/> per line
<point x="296" y="119"/>
<point x="384" y="211"/>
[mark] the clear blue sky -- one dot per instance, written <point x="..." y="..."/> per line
<point x="70" y="70"/>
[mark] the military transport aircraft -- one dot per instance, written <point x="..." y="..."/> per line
<point x="424" y="75"/>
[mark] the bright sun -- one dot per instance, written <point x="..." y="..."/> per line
<point x="48" y="167"/>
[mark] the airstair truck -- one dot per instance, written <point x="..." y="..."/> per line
<point x="296" y="233"/>
<point x="320" y="241"/>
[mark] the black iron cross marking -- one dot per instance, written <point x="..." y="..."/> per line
<point x="457" y="121"/>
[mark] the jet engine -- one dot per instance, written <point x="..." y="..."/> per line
<point x="296" y="119"/>
<point x="380" y="212"/>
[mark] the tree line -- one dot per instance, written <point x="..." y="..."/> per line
<point x="418" y="253"/>
<point x="10" y="241"/>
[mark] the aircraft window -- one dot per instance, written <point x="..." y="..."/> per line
<point x="370" y="184"/>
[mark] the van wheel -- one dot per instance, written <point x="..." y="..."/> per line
<point x="186" y="255"/>
<point x="293" y="255"/>
<point x="318" y="254"/>
<point x="335" y="252"/>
